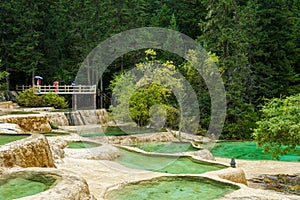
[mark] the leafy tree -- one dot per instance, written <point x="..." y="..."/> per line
<point x="144" y="98"/>
<point x="137" y="96"/>
<point x="278" y="130"/>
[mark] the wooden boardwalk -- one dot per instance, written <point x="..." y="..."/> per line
<point x="89" y="90"/>
<point x="61" y="89"/>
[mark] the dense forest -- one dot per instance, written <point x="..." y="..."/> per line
<point x="256" y="44"/>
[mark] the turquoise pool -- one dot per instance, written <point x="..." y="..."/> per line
<point x="7" y="138"/>
<point x="166" y="147"/>
<point x="117" y="131"/>
<point x="172" y="188"/>
<point x="248" y="151"/>
<point x="165" y="164"/>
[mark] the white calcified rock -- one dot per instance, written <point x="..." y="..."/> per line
<point x="70" y="186"/>
<point x="29" y="123"/>
<point x="203" y="154"/>
<point x="134" y="139"/>
<point x="87" y="117"/>
<point x="10" y="128"/>
<point x="103" y="152"/>
<point x="236" y="175"/>
<point x="57" y="146"/>
<point x="58" y="118"/>
<point x="33" y="151"/>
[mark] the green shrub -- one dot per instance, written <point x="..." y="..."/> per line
<point x="278" y="130"/>
<point x="29" y="98"/>
<point x="54" y="125"/>
<point x="52" y="99"/>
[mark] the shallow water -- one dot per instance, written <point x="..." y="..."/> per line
<point x="82" y="144"/>
<point x="21" y="186"/>
<point x="172" y="188"/>
<point x="248" y="151"/>
<point x="166" y="164"/>
<point x="53" y="134"/>
<point x="117" y="131"/>
<point x="7" y="138"/>
<point x="167" y="147"/>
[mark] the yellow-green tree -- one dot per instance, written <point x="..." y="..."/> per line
<point x="147" y="85"/>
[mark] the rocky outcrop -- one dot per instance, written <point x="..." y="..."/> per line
<point x="41" y="122"/>
<point x="29" y="152"/>
<point x="87" y="117"/>
<point x="29" y="123"/>
<point x="99" y="116"/>
<point x="135" y="139"/>
<point x="103" y="152"/>
<point x="236" y="175"/>
<point x="69" y="187"/>
<point x="203" y="154"/>
<point x="279" y="182"/>
<point x="58" y="118"/>
<point x="57" y="146"/>
<point x="8" y="96"/>
<point x="10" y="128"/>
<point x="6" y="105"/>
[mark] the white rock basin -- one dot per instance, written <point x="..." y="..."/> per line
<point x="45" y="183"/>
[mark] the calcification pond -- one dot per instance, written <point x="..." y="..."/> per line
<point x="249" y="151"/>
<point x="21" y="184"/>
<point x="82" y="144"/>
<point x="7" y="138"/>
<point x="172" y="188"/>
<point x="117" y="131"/>
<point x="165" y="164"/>
<point x="167" y="147"/>
<point x="53" y="134"/>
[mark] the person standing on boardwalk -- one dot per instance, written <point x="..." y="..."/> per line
<point x="55" y="84"/>
<point x="39" y="83"/>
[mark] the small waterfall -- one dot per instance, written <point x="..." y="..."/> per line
<point x="87" y="117"/>
<point x="74" y="118"/>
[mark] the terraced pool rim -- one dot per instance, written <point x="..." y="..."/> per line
<point x="120" y="189"/>
<point x="168" y="163"/>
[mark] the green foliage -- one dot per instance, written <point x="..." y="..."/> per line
<point x="53" y="125"/>
<point x="23" y="112"/>
<point x="240" y="123"/>
<point x="143" y="99"/>
<point x="53" y="99"/>
<point x="225" y="34"/>
<point x="256" y="43"/>
<point x="30" y="98"/>
<point x="278" y="130"/>
<point x="145" y="94"/>
<point x="3" y="76"/>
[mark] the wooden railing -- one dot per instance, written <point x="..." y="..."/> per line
<point x="60" y="89"/>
